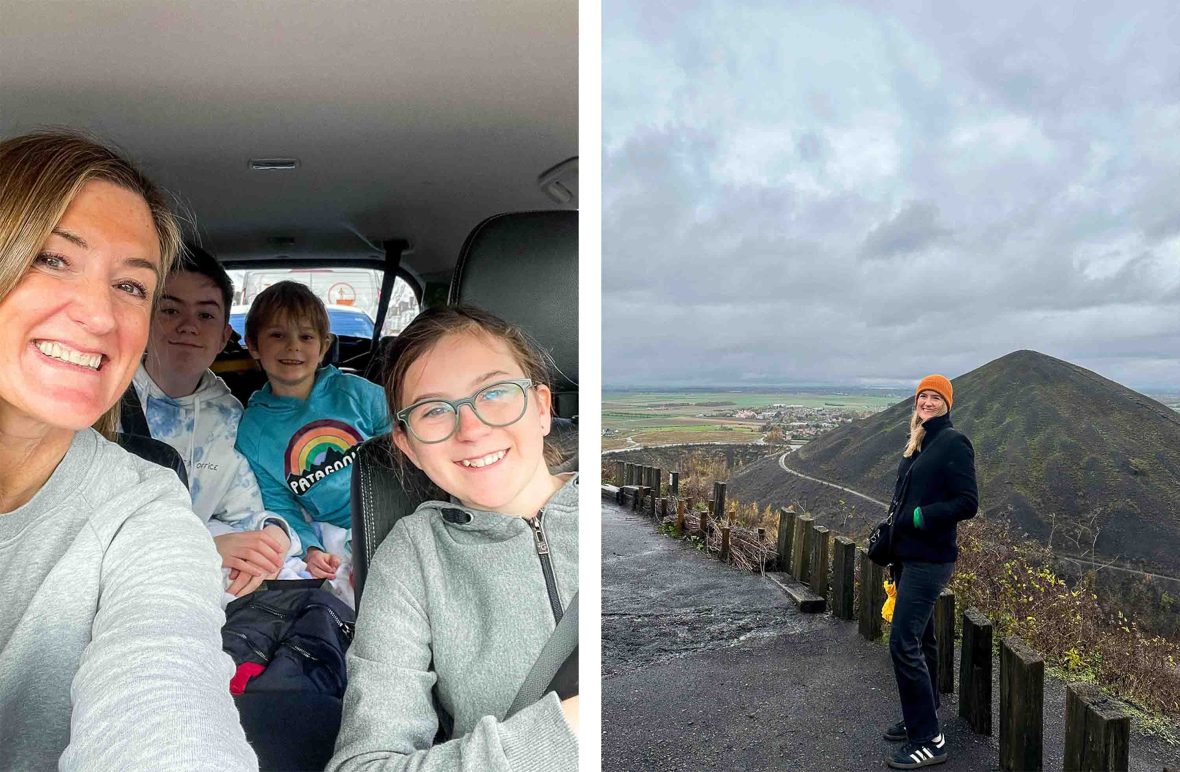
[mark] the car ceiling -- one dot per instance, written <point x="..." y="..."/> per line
<point x="411" y="120"/>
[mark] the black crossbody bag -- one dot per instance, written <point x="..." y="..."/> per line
<point x="881" y="539"/>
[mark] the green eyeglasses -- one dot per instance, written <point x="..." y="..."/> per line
<point x="498" y="404"/>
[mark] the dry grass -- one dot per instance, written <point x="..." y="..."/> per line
<point x="1012" y="582"/>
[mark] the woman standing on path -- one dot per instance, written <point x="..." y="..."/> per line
<point x="935" y="489"/>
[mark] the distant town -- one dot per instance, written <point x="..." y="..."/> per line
<point x="788" y="417"/>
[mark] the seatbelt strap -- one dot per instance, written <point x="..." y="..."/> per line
<point x="131" y="414"/>
<point x="561" y="644"/>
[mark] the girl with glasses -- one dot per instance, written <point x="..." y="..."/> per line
<point x="462" y="594"/>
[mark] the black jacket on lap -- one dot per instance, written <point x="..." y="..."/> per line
<point x="941" y="482"/>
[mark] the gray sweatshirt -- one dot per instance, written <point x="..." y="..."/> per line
<point x="110" y="645"/>
<point x="463" y="604"/>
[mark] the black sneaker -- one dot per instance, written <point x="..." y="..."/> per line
<point x="915" y="755"/>
<point x="896" y="732"/>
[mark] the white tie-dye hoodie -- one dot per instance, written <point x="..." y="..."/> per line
<point x="202" y="428"/>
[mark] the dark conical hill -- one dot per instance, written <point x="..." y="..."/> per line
<point x="1057" y="448"/>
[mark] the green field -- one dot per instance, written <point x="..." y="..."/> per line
<point x="665" y="417"/>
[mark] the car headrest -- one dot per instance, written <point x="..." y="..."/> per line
<point x="523" y="267"/>
<point x="332" y="354"/>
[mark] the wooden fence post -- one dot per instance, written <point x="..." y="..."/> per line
<point x="619" y="477"/>
<point x="786" y="532"/>
<point x="1097" y="732"/>
<point x="725" y="543"/>
<point x="944" y="633"/>
<point x="657" y="480"/>
<point x="651" y="507"/>
<point x="719" y="501"/>
<point x="675" y="483"/>
<point x="1022" y="703"/>
<point x="843" y="575"/>
<point x="872" y="596"/>
<point x="680" y="518"/>
<point x="802" y="548"/>
<point x="821" y="546"/>
<point x="975" y="672"/>
<point x="663" y="507"/>
<point x="640" y="492"/>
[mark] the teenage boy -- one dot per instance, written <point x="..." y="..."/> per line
<point x="301" y="429"/>
<point x="191" y="409"/>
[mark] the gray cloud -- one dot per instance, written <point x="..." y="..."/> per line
<point x="832" y="193"/>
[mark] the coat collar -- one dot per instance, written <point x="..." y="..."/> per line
<point x="935" y="425"/>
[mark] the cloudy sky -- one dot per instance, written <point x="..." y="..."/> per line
<point x="833" y="193"/>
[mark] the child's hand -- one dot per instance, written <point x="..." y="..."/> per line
<point x="258" y="553"/>
<point x="320" y="564"/>
<point x="242" y="583"/>
<point x="281" y="537"/>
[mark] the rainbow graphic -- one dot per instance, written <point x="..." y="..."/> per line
<point x="312" y="445"/>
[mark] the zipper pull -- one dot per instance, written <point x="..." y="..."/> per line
<point x="539" y="535"/>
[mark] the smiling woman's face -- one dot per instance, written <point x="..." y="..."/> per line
<point x="929" y="404"/>
<point x="74" y="328"/>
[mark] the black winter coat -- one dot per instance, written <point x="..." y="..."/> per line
<point x="941" y="482"/>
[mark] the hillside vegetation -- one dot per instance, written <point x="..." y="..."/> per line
<point x="1071" y="458"/>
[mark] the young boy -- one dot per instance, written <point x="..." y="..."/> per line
<point x="301" y="429"/>
<point x="191" y="409"/>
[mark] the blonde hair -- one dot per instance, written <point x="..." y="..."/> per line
<point x="917" y="431"/>
<point x="40" y="175"/>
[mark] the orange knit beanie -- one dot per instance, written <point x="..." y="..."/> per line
<point x="940" y="384"/>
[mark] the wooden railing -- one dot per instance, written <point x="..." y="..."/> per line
<point x="819" y="570"/>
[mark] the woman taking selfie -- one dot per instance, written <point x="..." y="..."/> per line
<point x="110" y="649"/>
<point x="935" y="489"/>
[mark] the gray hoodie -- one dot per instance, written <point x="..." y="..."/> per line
<point x="458" y="597"/>
<point x="110" y="644"/>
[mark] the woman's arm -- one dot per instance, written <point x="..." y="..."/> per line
<point x="958" y="474"/>
<point x="389" y="720"/>
<point x="152" y="690"/>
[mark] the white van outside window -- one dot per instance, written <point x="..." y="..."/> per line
<point x="350" y="295"/>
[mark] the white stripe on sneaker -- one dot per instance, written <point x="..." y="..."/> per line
<point x="926" y="754"/>
<point x="917" y="759"/>
<point x="939" y="741"/>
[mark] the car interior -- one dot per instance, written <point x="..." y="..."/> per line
<point x="407" y="154"/>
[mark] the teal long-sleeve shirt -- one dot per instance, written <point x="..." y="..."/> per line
<point x="301" y="450"/>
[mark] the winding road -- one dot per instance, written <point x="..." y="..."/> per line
<point x="782" y="462"/>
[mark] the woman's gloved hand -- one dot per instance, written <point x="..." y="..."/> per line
<point x="918" y="518"/>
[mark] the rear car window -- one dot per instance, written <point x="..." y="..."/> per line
<point x="350" y="295"/>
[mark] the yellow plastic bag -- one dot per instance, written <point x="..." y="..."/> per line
<point x="890" y="599"/>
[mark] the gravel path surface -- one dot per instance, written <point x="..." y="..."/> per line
<point x="709" y="667"/>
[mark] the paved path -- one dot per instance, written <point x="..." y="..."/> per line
<point x="709" y="667"/>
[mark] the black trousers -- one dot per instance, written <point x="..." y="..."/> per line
<point x="912" y="646"/>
